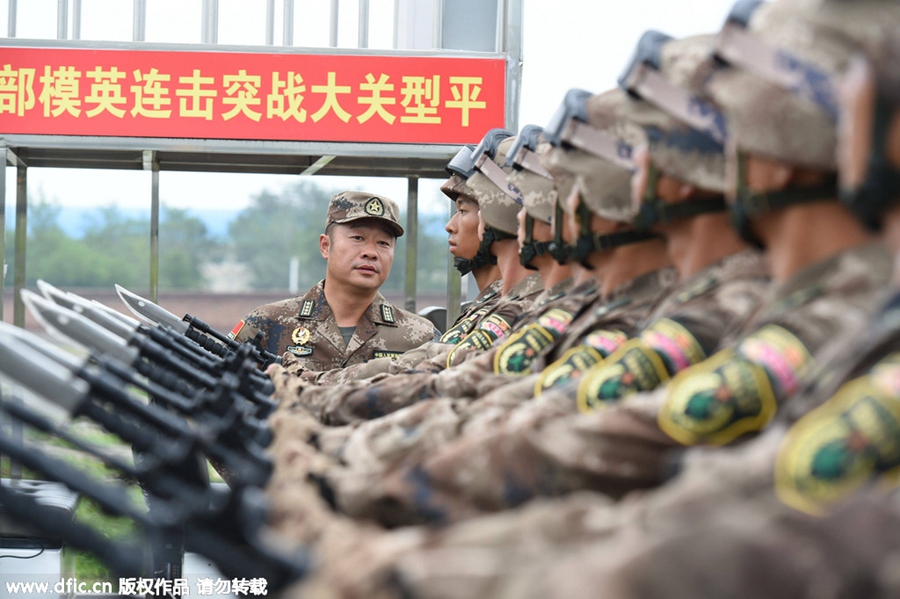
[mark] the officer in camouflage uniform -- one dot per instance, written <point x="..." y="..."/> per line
<point x="470" y="255"/>
<point x="360" y="232"/>
<point x="427" y="424"/>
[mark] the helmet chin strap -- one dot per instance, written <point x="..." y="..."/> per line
<point x="881" y="188"/>
<point x="558" y="248"/>
<point x="483" y="257"/>
<point x="531" y="249"/>
<point x="589" y="242"/>
<point x="752" y="204"/>
<point x="654" y="211"/>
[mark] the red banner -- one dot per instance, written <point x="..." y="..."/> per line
<point x="230" y="95"/>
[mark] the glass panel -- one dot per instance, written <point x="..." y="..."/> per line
<point x="107" y="21"/>
<point x="36" y="19"/>
<point x="312" y="23"/>
<point x="381" y="24"/>
<point x="242" y="22"/>
<point x="174" y="21"/>
<point x="348" y="24"/>
<point x="4" y="17"/>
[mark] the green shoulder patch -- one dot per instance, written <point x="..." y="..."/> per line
<point x="519" y="352"/>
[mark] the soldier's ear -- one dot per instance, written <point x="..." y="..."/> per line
<point x="324" y="245"/>
<point x="686" y="191"/>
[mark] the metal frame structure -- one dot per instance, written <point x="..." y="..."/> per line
<point x="409" y="161"/>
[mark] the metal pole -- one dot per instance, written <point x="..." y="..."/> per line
<point x="20" y="239"/>
<point x="11" y="19"/>
<point x="154" y="231"/>
<point x="438" y="41"/>
<point x="270" y="22"/>
<point x="210" y="32"/>
<point x="288" y="25"/>
<point x="412" y="240"/>
<point x="76" y="19"/>
<point x="62" y="16"/>
<point x="363" y="33"/>
<point x="139" y="20"/>
<point x="3" y="159"/>
<point x="2" y="225"/>
<point x="512" y="40"/>
<point x="333" y="35"/>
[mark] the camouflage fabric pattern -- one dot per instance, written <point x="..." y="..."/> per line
<point x="739" y="390"/>
<point x="702" y="314"/>
<point x="497" y="208"/>
<point x="385" y="393"/>
<point x="468" y="320"/>
<point x="303" y="329"/>
<point x="348" y="206"/>
<point x="456" y="186"/>
<point x="675" y="148"/>
<point x="538" y="193"/>
<point x="844" y="427"/>
<point x="796" y="130"/>
<point x="615" y="450"/>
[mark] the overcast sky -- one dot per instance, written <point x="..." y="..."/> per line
<point x="567" y="43"/>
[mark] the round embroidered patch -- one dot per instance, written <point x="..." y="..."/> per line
<point x="489" y="330"/>
<point x="842" y="445"/>
<point x="577" y="360"/>
<point x="632" y="369"/>
<point x="519" y="352"/>
<point x="456" y="333"/>
<point x="718" y="400"/>
<point x="674" y="343"/>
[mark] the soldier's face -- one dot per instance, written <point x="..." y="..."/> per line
<point x="463" y="229"/>
<point x="359" y="254"/>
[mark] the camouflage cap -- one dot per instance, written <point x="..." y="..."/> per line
<point x="768" y="119"/>
<point x="538" y="192"/>
<point x="497" y="207"/>
<point x="675" y="148"/>
<point x="348" y="206"/>
<point x="605" y="187"/>
<point x="456" y="186"/>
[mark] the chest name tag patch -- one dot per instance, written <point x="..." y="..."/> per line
<point x="393" y="355"/>
<point x="577" y="360"/>
<point x="516" y="356"/>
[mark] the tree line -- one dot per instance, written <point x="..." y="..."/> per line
<point x="115" y="248"/>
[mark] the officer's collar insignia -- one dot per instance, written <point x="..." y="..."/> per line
<point x="307" y="308"/>
<point x="374" y="207"/>
<point x="387" y="313"/>
<point x="300" y="336"/>
<point x="300" y="351"/>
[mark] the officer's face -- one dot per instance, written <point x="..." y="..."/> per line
<point x="359" y="253"/>
<point x="463" y="229"/>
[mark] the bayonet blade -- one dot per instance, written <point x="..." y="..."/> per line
<point x="77" y="328"/>
<point x="150" y="312"/>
